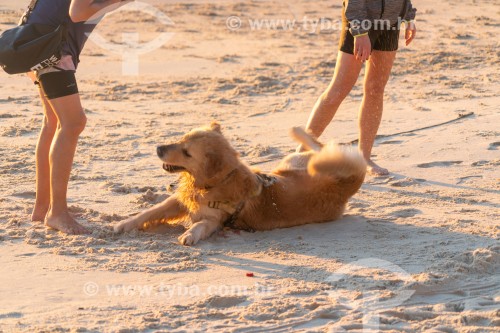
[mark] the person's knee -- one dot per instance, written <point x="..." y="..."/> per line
<point x="49" y="127"/>
<point x="374" y="89"/>
<point x="75" y="126"/>
<point x="50" y="123"/>
<point x="79" y="125"/>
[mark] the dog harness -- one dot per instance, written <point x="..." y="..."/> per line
<point x="234" y="210"/>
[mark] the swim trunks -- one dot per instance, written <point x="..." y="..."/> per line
<point x="58" y="84"/>
<point x="385" y="38"/>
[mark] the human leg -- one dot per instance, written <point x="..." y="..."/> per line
<point x="72" y="120"/>
<point x="377" y="74"/>
<point x="345" y="76"/>
<point x="45" y="137"/>
<point x="61" y="92"/>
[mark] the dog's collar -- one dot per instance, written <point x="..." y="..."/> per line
<point x="231" y="207"/>
<point x="226" y="206"/>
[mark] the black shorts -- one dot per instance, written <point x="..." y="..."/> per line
<point x="381" y="40"/>
<point x="58" y="84"/>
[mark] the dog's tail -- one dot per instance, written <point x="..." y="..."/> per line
<point x="308" y="141"/>
<point x="337" y="161"/>
<point x="331" y="159"/>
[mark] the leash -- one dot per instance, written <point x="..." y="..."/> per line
<point x="382" y="136"/>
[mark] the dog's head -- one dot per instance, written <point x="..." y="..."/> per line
<point x="204" y="153"/>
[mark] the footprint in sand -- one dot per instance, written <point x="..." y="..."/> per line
<point x="438" y="164"/>
<point x="408" y="212"/>
<point x="14" y="131"/>
<point x="8" y="115"/>
<point x="260" y="151"/>
<point x="358" y="205"/>
<point x="480" y="163"/>
<point x="406" y="182"/>
<point x="392" y="142"/>
<point x="494" y="145"/>
<point x="11" y="315"/>
<point x="486" y="163"/>
<point x="25" y="195"/>
<point x="449" y="307"/>
<point x="467" y="178"/>
<point x="150" y="197"/>
<point x="225" y="301"/>
<point x="271" y="64"/>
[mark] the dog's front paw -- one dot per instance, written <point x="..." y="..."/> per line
<point x="187" y="239"/>
<point x="125" y="226"/>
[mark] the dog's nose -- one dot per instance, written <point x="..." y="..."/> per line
<point x="159" y="151"/>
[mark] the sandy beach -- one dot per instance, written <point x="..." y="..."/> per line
<point x="416" y="251"/>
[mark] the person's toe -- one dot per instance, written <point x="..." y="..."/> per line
<point x="80" y="230"/>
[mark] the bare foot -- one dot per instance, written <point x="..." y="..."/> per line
<point x="39" y="213"/>
<point x="376" y="170"/>
<point x="65" y="223"/>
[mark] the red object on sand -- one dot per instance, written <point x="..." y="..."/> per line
<point x="250" y="274"/>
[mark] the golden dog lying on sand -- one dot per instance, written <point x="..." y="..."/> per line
<point x="217" y="189"/>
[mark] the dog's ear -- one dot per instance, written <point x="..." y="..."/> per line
<point x="215" y="126"/>
<point x="213" y="165"/>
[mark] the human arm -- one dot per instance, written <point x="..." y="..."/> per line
<point x="82" y="10"/>
<point x="356" y="13"/>
<point x="409" y="20"/>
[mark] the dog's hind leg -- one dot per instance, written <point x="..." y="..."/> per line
<point x="199" y="231"/>
<point x="307" y="140"/>
<point x="168" y="209"/>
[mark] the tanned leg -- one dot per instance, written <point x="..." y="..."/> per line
<point x="47" y="132"/>
<point x="345" y="76"/>
<point x="72" y="121"/>
<point x="378" y="70"/>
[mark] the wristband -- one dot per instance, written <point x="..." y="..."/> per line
<point x="364" y="34"/>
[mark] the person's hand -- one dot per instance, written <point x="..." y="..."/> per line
<point x="362" y="48"/>
<point x="410" y="33"/>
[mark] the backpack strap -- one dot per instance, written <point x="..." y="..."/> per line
<point x="31" y="7"/>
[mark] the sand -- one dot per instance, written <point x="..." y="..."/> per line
<point x="416" y="251"/>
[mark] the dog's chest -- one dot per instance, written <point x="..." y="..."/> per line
<point x="205" y="207"/>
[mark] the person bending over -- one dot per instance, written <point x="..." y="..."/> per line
<point x="64" y="118"/>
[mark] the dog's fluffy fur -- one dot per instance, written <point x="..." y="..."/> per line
<point x="308" y="187"/>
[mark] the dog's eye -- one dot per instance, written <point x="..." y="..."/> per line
<point x="185" y="152"/>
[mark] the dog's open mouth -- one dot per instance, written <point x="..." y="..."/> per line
<point x="172" y="168"/>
